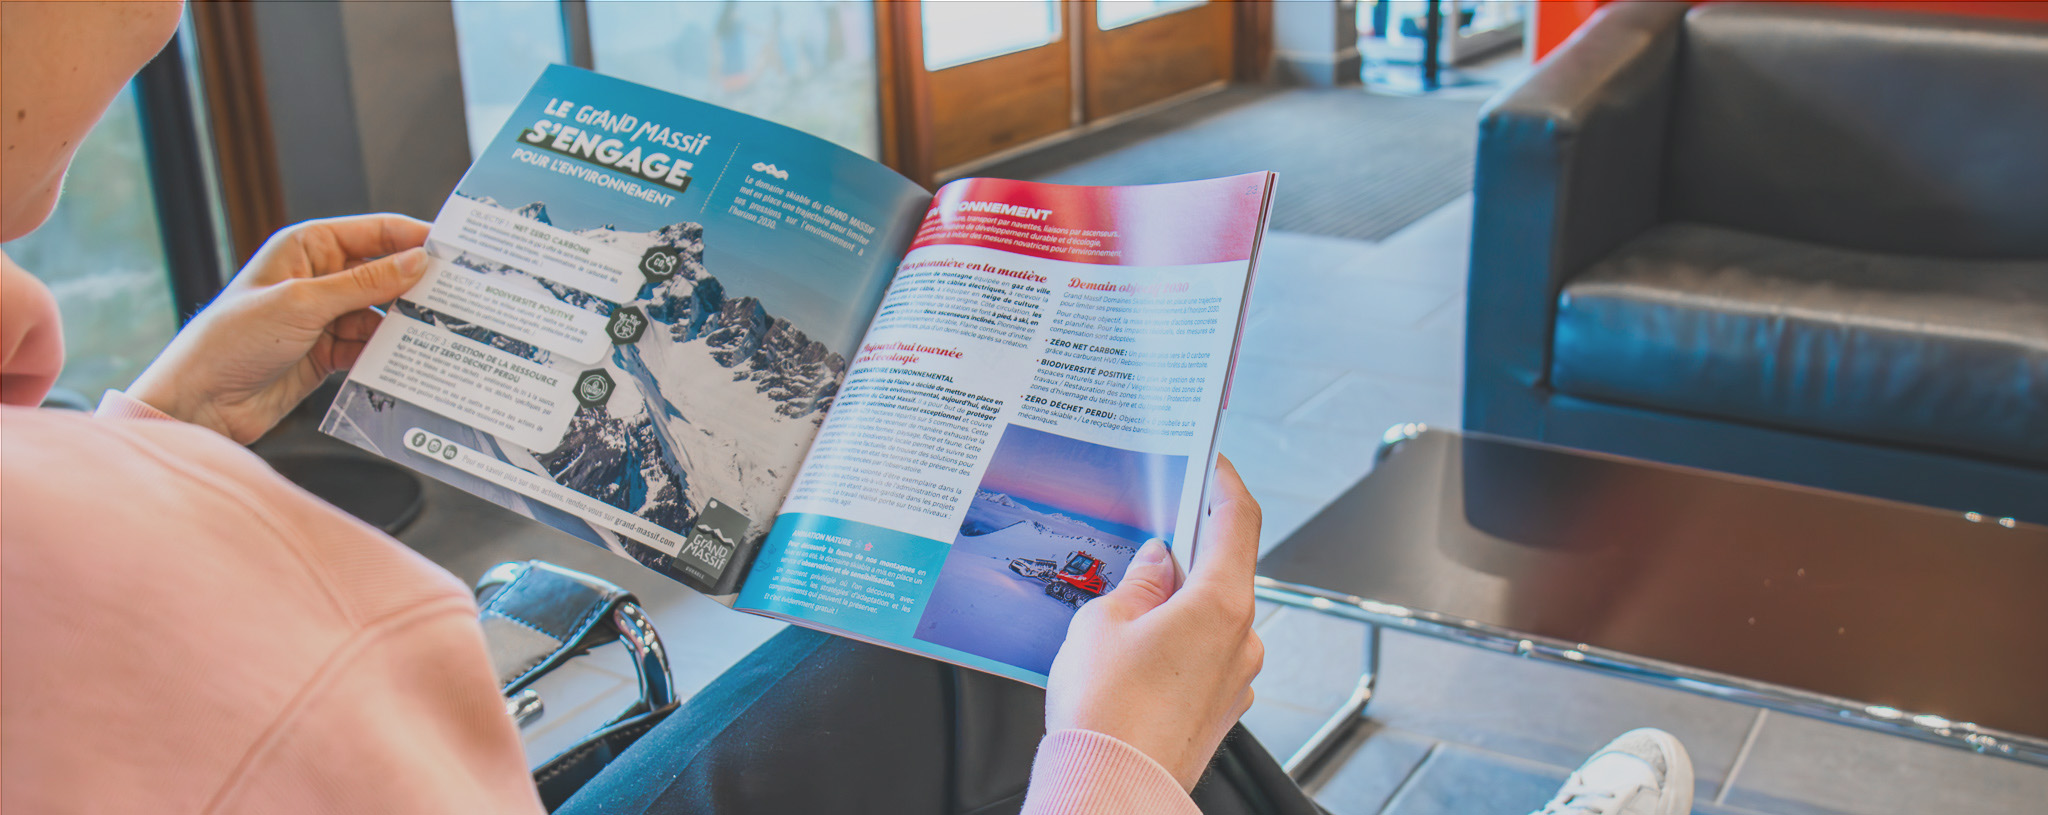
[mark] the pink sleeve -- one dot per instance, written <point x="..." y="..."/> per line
<point x="118" y="405"/>
<point x="1082" y="772"/>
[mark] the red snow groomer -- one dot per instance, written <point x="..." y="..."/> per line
<point x="1077" y="582"/>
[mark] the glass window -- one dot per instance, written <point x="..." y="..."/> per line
<point x="810" y="66"/>
<point x="957" y="32"/>
<point x="1113" y="13"/>
<point x="102" y="254"/>
<point x="502" y="46"/>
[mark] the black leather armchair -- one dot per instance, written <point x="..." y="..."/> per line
<point x="1798" y="242"/>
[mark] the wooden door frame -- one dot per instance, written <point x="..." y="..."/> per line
<point x="904" y="95"/>
<point x="238" y="114"/>
<point x="905" y="92"/>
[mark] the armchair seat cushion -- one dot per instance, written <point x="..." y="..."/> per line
<point x="1926" y="352"/>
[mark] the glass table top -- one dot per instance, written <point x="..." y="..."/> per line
<point x="1922" y="610"/>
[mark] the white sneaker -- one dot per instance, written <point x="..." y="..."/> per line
<point x="1641" y="772"/>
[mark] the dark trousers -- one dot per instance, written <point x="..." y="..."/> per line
<point x="815" y="723"/>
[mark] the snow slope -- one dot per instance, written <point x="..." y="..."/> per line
<point x="1055" y="533"/>
<point x="979" y="606"/>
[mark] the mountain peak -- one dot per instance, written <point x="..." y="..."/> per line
<point x="537" y="211"/>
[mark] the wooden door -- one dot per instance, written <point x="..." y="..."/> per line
<point x="946" y="110"/>
<point x="1149" y="60"/>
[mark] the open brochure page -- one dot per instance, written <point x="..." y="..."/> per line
<point x="637" y="316"/>
<point x="1037" y="397"/>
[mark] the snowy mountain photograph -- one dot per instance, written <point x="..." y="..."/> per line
<point x="717" y="400"/>
<point x="1052" y="526"/>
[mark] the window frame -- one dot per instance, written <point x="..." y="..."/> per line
<point x="181" y="180"/>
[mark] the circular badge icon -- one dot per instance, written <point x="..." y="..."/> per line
<point x="660" y="263"/>
<point x="594" y="387"/>
<point x="449" y="451"/>
<point x="626" y="325"/>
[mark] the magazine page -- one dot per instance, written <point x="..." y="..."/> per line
<point x="1037" y="397"/>
<point x="638" y="313"/>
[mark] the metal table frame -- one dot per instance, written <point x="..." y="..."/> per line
<point x="1306" y="761"/>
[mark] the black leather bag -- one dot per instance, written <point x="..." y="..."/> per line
<point x="537" y="616"/>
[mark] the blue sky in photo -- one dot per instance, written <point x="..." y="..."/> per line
<point x="1133" y="494"/>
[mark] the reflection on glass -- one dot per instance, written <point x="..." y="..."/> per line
<point x="502" y="46"/>
<point x="957" y="32"/>
<point x="807" y="65"/>
<point x="1113" y="13"/>
<point x="102" y="254"/>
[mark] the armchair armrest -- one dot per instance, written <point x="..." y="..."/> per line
<point x="1571" y="164"/>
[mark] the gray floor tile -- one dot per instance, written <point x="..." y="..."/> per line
<point x="1459" y="780"/>
<point x="1801" y="765"/>
<point x="1282" y="727"/>
<point x="1359" y="400"/>
<point x="1330" y="304"/>
<point x="1705" y="807"/>
<point x="1288" y="257"/>
<point x="1370" y="772"/>
<point x="1315" y="463"/>
<point x="1271" y="390"/>
<point x="1312" y="665"/>
<point x="1435" y="249"/>
<point x="1543" y="712"/>
<point x="1312" y="660"/>
<point x="1410" y="354"/>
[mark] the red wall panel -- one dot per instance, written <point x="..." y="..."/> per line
<point x="1557" y="19"/>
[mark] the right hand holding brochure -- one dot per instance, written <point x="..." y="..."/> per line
<point x="787" y="377"/>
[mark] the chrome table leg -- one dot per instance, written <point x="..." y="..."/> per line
<point x="1316" y="750"/>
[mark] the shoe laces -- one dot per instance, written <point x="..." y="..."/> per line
<point x="1576" y="798"/>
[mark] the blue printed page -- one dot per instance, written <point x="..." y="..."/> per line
<point x="639" y="311"/>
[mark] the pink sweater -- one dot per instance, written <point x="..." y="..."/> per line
<point x="183" y="631"/>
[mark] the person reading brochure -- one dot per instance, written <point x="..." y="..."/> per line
<point x="184" y="631"/>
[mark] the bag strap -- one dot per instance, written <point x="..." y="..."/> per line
<point x="537" y="616"/>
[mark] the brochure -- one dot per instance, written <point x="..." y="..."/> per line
<point x="789" y="378"/>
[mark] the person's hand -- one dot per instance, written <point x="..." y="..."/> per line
<point x="298" y="312"/>
<point x="1169" y="671"/>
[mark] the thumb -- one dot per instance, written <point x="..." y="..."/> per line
<point x="1148" y="581"/>
<point x="364" y="285"/>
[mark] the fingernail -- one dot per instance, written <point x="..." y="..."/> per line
<point x="413" y="261"/>
<point x="1152" y="553"/>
